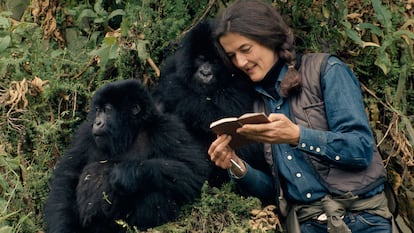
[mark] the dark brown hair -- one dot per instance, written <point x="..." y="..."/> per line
<point x="262" y="23"/>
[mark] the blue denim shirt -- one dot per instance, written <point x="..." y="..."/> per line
<point x="349" y="133"/>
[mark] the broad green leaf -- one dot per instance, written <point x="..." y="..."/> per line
<point x="87" y="13"/>
<point x="401" y="33"/>
<point x="373" y="28"/>
<point x="347" y="24"/>
<point x="382" y="14"/>
<point x="325" y="11"/>
<point x="4" y="42"/>
<point x="353" y="35"/>
<point x="383" y="61"/>
<point x="99" y="9"/>
<point x="109" y="50"/>
<point x="142" y="49"/>
<point x="4" y="22"/>
<point x="99" y="20"/>
<point x="110" y="40"/>
<point x="116" y="13"/>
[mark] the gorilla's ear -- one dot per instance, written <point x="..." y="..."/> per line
<point x="136" y="109"/>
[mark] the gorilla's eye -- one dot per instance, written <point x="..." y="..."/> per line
<point x="135" y="109"/>
<point x="108" y="108"/>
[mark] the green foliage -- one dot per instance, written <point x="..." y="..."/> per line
<point x="218" y="210"/>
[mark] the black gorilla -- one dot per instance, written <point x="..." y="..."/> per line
<point x="127" y="162"/>
<point x="197" y="86"/>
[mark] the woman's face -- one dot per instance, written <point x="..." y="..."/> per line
<point x="247" y="55"/>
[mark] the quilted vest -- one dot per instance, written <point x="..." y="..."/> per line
<point x="332" y="176"/>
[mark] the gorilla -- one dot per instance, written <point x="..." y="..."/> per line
<point x="127" y="162"/>
<point x="196" y="86"/>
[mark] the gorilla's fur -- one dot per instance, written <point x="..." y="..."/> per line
<point x="127" y="162"/>
<point x="197" y="86"/>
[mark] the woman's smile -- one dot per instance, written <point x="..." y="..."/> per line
<point x="249" y="56"/>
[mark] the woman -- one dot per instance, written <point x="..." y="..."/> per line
<point x="322" y="150"/>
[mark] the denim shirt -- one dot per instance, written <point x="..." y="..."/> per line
<point x="349" y="132"/>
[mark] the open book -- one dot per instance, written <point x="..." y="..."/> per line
<point x="229" y="125"/>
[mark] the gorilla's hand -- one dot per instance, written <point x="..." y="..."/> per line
<point x="125" y="177"/>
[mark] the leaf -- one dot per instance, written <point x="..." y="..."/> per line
<point x="4" y="42"/>
<point x="116" y="13"/>
<point x="87" y="13"/>
<point x="109" y="50"/>
<point x="4" y="22"/>
<point x="383" y="61"/>
<point x="408" y="23"/>
<point x="383" y="15"/>
<point x="326" y="12"/>
<point x="368" y="44"/>
<point x="353" y="35"/>
<point x="401" y="33"/>
<point x="99" y="9"/>
<point x="142" y="49"/>
<point x="373" y="28"/>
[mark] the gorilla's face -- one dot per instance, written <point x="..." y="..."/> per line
<point x="209" y="75"/>
<point x="204" y="73"/>
<point x="106" y="127"/>
<point x="117" y="112"/>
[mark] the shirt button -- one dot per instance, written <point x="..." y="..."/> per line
<point x="308" y="195"/>
<point x="298" y="175"/>
<point x="337" y="158"/>
<point x="311" y="148"/>
<point x="318" y="149"/>
<point x="289" y="157"/>
<point x="303" y="145"/>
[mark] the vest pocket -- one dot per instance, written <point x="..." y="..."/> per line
<point x="315" y="116"/>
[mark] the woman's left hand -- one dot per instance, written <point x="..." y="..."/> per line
<point x="280" y="130"/>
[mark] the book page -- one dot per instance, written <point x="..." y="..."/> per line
<point x="229" y="126"/>
<point x="223" y="120"/>
<point x="253" y="118"/>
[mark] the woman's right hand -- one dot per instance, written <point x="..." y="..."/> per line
<point x="221" y="154"/>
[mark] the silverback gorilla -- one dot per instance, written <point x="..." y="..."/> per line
<point x="197" y="87"/>
<point x="127" y="162"/>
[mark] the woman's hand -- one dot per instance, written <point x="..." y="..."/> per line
<point x="280" y="130"/>
<point x="222" y="154"/>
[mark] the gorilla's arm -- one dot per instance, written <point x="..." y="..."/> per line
<point x="60" y="210"/>
<point x="171" y="163"/>
<point x="161" y="185"/>
<point x="171" y="177"/>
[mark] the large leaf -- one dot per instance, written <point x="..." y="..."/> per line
<point x="108" y="50"/>
<point x="383" y="61"/>
<point x="116" y="13"/>
<point x="353" y="35"/>
<point x="4" y="42"/>
<point x="382" y="14"/>
<point x="373" y="28"/>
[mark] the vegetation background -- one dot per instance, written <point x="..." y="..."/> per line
<point x="54" y="54"/>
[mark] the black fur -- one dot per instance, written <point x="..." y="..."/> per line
<point x="196" y="86"/>
<point x="128" y="162"/>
